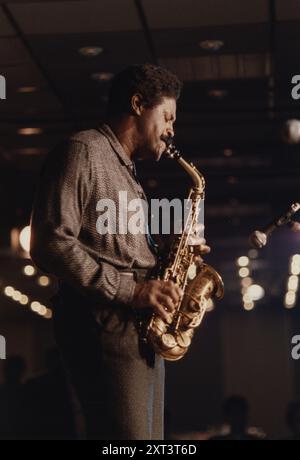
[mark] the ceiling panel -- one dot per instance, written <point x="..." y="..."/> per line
<point x="119" y="49"/>
<point x="11" y="140"/>
<point x="287" y="10"/>
<point x="76" y="17"/>
<point x="19" y="75"/>
<point x="247" y="95"/>
<point x="191" y="13"/>
<point x="47" y="112"/>
<point x="32" y="101"/>
<point x="287" y="46"/>
<point x="12" y="51"/>
<point x="247" y="38"/>
<point x="225" y="121"/>
<point x="6" y="29"/>
<point x="221" y="67"/>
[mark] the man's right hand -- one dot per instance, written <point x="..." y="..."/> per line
<point x="162" y="296"/>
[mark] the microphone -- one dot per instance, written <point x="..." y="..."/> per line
<point x="259" y="238"/>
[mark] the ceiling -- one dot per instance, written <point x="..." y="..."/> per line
<point x="230" y="115"/>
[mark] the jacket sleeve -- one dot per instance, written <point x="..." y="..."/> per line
<point x="65" y="185"/>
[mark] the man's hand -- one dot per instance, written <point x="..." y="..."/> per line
<point x="162" y="296"/>
<point x="200" y="249"/>
<point x="198" y="243"/>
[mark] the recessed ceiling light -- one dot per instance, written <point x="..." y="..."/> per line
<point x="211" y="45"/>
<point x="29" y="270"/>
<point x="249" y="305"/>
<point x="8" y="291"/>
<point x="227" y="152"/>
<point x="29" y="131"/>
<point x="48" y="314"/>
<point x="231" y="180"/>
<point x="27" y="89"/>
<point x="90" y="51"/>
<point x="217" y="93"/>
<point x="35" y="306"/>
<point x="24" y="299"/>
<point x="152" y="183"/>
<point x="30" y="151"/>
<point x="102" y="76"/>
<point x="43" y="280"/>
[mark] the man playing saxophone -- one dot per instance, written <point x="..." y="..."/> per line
<point x="103" y="278"/>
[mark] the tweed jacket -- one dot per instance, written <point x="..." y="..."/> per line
<point x="65" y="242"/>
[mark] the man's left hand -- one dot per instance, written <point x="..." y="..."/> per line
<point x="200" y="248"/>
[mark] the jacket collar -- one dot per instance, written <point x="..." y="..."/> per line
<point x="114" y="142"/>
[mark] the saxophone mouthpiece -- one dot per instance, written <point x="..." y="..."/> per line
<point x="167" y="140"/>
<point x="170" y="147"/>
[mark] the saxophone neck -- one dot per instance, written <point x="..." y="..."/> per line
<point x="190" y="168"/>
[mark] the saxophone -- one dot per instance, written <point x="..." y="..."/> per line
<point x="172" y="341"/>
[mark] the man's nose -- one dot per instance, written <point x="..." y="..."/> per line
<point x="170" y="132"/>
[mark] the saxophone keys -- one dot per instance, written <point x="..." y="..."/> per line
<point x="195" y="303"/>
<point x="196" y="321"/>
<point x="184" y="339"/>
<point x="168" y="341"/>
<point x="159" y="325"/>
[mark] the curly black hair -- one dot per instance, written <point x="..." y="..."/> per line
<point x="150" y="81"/>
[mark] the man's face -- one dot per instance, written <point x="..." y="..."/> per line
<point x="153" y="123"/>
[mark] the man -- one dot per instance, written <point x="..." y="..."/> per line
<point x="103" y="277"/>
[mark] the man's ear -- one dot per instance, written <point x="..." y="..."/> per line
<point x="136" y="104"/>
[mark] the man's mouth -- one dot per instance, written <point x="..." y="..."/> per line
<point x="166" y="139"/>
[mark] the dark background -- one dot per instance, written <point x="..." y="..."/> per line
<point x="233" y="106"/>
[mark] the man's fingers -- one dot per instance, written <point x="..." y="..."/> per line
<point x="173" y="291"/>
<point x="160" y="310"/>
<point x="174" y="286"/>
<point x="202" y="249"/>
<point x="198" y="260"/>
<point x="166" y="301"/>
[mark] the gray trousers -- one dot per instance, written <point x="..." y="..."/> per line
<point x="118" y="379"/>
